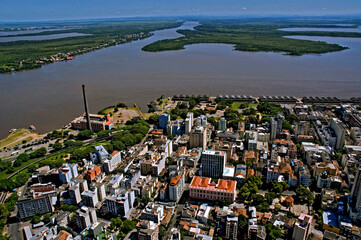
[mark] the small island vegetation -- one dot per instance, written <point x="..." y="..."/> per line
<point x="254" y="36"/>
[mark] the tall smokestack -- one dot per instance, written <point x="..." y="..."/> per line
<point x="86" y="109"/>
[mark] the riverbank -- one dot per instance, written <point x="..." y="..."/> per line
<point x="19" y="136"/>
<point x="25" y="55"/>
<point x="252" y="37"/>
<point x="51" y="96"/>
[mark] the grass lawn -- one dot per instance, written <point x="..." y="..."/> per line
<point x="108" y="110"/>
<point x="4" y="175"/>
<point x="16" y="137"/>
<point x="252" y="104"/>
<point x="235" y="105"/>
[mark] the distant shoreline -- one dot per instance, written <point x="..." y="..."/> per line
<point x="26" y="54"/>
<point x="251" y="99"/>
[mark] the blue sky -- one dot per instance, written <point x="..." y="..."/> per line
<point x="28" y="10"/>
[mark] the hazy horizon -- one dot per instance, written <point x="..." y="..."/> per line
<point x="44" y="10"/>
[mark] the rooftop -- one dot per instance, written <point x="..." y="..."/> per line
<point x="204" y="182"/>
<point x="213" y="152"/>
<point x="175" y="180"/>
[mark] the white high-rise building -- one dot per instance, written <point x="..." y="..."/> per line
<point x="74" y="193"/>
<point x="67" y="172"/>
<point x="85" y="217"/>
<point x="340" y="132"/>
<point x="120" y="204"/>
<point x="112" y="162"/>
<point x="90" y="198"/>
<point x="189" y="122"/>
<point x="231" y="227"/>
<point x="276" y="126"/>
<point x="176" y="187"/>
<point x="202" y="120"/>
<point x="100" y="190"/>
<point x="302" y="227"/>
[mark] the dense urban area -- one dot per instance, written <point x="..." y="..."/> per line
<point x="193" y="167"/>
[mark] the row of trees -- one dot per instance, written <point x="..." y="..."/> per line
<point x="5" y="210"/>
<point x="132" y="134"/>
<point x="119" y="105"/>
<point x="124" y="226"/>
<point x="24" y="157"/>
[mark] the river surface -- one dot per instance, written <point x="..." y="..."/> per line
<point x="358" y="29"/>
<point x="51" y="97"/>
<point x="42" y="37"/>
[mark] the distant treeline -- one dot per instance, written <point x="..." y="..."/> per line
<point x="254" y="37"/>
<point x="22" y="55"/>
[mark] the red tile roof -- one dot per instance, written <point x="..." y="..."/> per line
<point x="175" y="180"/>
<point x="206" y="183"/>
<point x="114" y="153"/>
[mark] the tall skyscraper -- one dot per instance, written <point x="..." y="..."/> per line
<point x="222" y="125"/>
<point x="189" y="122"/>
<point x="356" y="190"/>
<point x="340" y="133"/>
<point x="163" y="121"/>
<point x="276" y="126"/>
<point x="198" y="138"/>
<point x="213" y="163"/>
<point x="202" y="120"/>
<point x="231" y="227"/>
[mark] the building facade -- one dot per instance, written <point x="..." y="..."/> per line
<point x="203" y="188"/>
<point x="213" y="163"/>
<point x="30" y="207"/>
<point x="176" y="188"/>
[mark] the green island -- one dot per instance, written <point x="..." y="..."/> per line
<point x="25" y="55"/>
<point x="254" y="36"/>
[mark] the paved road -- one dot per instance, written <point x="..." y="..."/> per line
<point x="6" y="154"/>
<point x="14" y="230"/>
<point x="178" y="210"/>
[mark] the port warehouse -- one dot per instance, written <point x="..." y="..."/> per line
<point x="275" y="99"/>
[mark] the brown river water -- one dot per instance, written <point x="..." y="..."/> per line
<point x="51" y="97"/>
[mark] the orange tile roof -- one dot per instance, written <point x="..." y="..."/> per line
<point x="250" y="154"/>
<point x="282" y="141"/>
<point x="183" y="223"/>
<point x="226" y="185"/>
<point x="197" y="181"/>
<point x="166" y="219"/>
<point x="206" y="182"/>
<point x="250" y="172"/>
<point x="181" y="151"/>
<point x="63" y="235"/>
<point x="114" y="153"/>
<point x="175" y="180"/>
<point x="97" y="169"/>
<point x="44" y="189"/>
